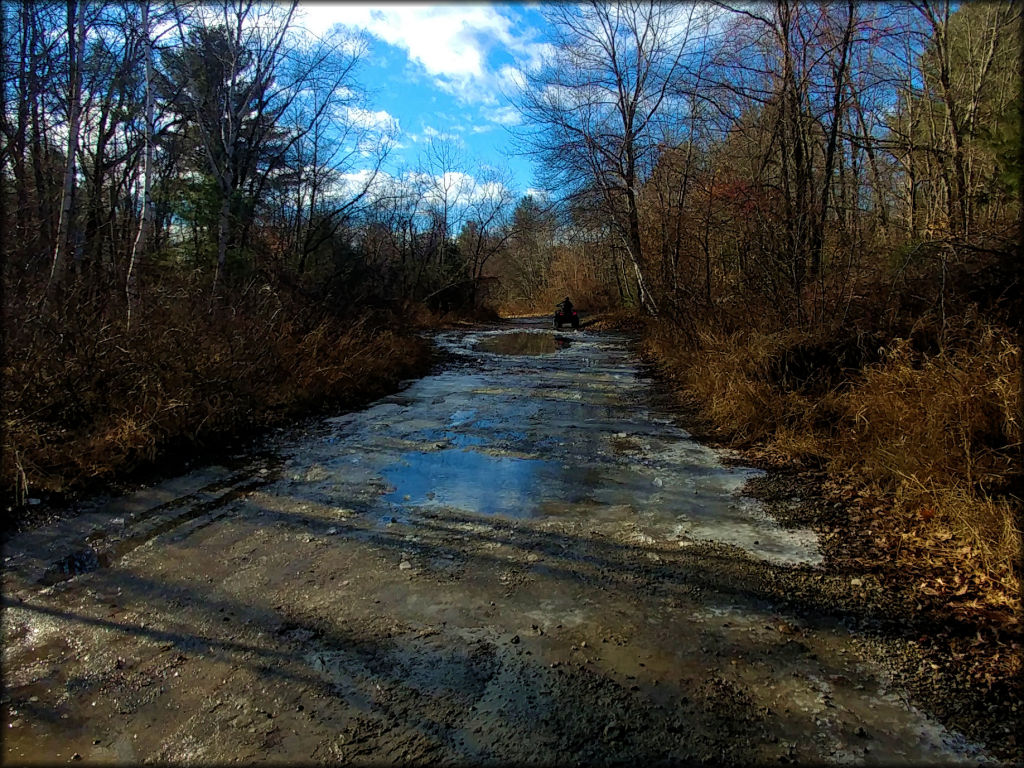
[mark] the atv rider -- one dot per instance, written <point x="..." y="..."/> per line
<point x="566" y="307"/>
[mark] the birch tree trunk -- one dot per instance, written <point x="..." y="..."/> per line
<point x="142" y="237"/>
<point x="76" y="52"/>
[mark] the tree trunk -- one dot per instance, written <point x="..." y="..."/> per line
<point x="76" y="52"/>
<point x="142" y="237"/>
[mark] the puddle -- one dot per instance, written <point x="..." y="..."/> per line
<point x="469" y="480"/>
<point x="72" y="565"/>
<point x="523" y="343"/>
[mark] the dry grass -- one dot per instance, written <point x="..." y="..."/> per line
<point x="938" y="435"/>
<point x="86" y="399"/>
<point x="728" y="379"/>
<point x="951" y="417"/>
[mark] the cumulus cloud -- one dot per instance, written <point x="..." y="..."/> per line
<point x="379" y="120"/>
<point x="450" y="42"/>
<point x="459" y="188"/>
<point x="503" y="115"/>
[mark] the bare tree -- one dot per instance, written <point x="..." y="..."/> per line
<point x="599" y="105"/>
<point x="231" y="95"/>
<point x="76" y="33"/>
<point x="142" y="237"/>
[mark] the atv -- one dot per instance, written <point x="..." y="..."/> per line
<point x="562" y="317"/>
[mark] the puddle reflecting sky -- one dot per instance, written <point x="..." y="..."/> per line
<point x="490" y="485"/>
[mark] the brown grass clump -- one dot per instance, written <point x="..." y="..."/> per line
<point x="729" y="379"/>
<point x="950" y="417"/>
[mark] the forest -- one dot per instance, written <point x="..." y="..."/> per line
<point x="808" y="212"/>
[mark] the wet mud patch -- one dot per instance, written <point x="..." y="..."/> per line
<point x="523" y="343"/>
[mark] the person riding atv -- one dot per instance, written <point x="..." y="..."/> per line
<point x="564" y="313"/>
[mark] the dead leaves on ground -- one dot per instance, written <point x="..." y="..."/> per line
<point x="922" y="555"/>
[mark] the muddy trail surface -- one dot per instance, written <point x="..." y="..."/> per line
<point x="517" y="559"/>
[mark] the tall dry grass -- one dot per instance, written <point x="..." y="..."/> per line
<point x="942" y="434"/>
<point x="938" y="433"/>
<point x="86" y="399"/>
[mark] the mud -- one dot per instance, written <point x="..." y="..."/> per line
<point x="518" y="559"/>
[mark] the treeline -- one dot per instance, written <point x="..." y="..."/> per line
<point x="784" y="153"/>
<point x="820" y="206"/>
<point x="225" y="142"/>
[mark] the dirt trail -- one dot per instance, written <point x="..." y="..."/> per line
<point x="517" y="559"/>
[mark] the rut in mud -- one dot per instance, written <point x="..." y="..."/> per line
<point x="516" y="559"/>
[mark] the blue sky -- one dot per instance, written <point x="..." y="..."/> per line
<point x="441" y="70"/>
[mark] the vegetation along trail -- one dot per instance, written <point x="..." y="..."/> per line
<point x="517" y="558"/>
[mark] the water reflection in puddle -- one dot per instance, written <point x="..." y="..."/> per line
<point x="489" y="485"/>
<point x="521" y="343"/>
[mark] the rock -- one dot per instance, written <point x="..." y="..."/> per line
<point x="514" y="640"/>
<point x="405" y="565"/>
<point x="856" y="582"/>
<point x="658" y="482"/>
<point x="533" y="557"/>
<point x="76" y="756"/>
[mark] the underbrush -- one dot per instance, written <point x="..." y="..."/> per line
<point x="931" y="438"/>
<point x="87" y="398"/>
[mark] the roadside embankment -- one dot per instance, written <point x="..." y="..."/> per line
<point x="906" y="460"/>
<point x="925" y="444"/>
<point x="89" y="399"/>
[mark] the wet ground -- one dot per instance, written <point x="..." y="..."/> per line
<point x="518" y="559"/>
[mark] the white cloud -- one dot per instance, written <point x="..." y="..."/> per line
<point x="503" y="115"/>
<point x="461" y="189"/>
<point x="355" y="182"/>
<point x="380" y="120"/>
<point x="450" y="42"/>
<point x="429" y="132"/>
<point x="510" y="79"/>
